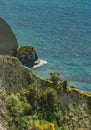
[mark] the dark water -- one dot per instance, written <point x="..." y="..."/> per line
<point x="60" y="30"/>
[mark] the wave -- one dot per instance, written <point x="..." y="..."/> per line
<point x="39" y="63"/>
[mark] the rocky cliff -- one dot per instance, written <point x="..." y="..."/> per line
<point x="68" y="110"/>
<point x="9" y="46"/>
<point x="8" y="41"/>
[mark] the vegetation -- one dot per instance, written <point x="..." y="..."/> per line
<point x="27" y="110"/>
<point x="48" y="109"/>
<point x="59" y="83"/>
<point x="27" y="55"/>
<point x="28" y="102"/>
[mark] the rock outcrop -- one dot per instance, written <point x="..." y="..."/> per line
<point x="27" y="55"/>
<point x="9" y="46"/>
<point x="8" y="41"/>
<point x="13" y="75"/>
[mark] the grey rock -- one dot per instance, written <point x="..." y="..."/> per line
<point x="8" y="41"/>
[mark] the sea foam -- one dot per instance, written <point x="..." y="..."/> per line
<point x="39" y="63"/>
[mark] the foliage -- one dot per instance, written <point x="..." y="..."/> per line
<point x="33" y="97"/>
<point x="59" y="83"/>
<point x="14" y="105"/>
<point x="48" y="104"/>
<point x="72" y="86"/>
<point x="45" y="126"/>
<point x="27" y="107"/>
<point x="39" y="109"/>
<point x="30" y="105"/>
<point x="55" y="77"/>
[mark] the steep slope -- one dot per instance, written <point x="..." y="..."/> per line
<point x="12" y="74"/>
<point x="75" y="108"/>
<point x="23" y="95"/>
<point x="13" y="77"/>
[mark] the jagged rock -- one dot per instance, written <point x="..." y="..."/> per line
<point x="8" y="41"/>
<point x="27" y="55"/>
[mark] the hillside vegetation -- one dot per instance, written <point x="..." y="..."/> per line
<point x="28" y="102"/>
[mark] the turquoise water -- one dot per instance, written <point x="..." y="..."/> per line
<point x="60" y="30"/>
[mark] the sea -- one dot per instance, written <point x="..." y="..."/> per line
<point x="59" y="30"/>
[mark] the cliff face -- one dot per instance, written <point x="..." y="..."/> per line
<point x="9" y="46"/>
<point x="8" y="41"/>
<point x="12" y="74"/>
<point x="73" y="107"/>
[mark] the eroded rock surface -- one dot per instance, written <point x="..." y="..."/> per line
<point x="8" y="41"/>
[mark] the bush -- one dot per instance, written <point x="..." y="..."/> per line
<point x="54" y="77"/>
<point x="43" y="125"/>
<point x="14" y="105"/>
<point x="72" y="86"/>
<point x="27" y="107"/>
<point x="47" y="126"/>
<point x="59" y="83"/>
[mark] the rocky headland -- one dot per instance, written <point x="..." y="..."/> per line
<point x="27" y="55"/>
<point x="9" y="46"/>
<point x="28" y="102"/>
<point x="8" y="41"/>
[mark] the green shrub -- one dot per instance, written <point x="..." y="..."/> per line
<point x="55" y="77"/>
<point x="27" y="107"/>
<point x="46" y="126"/>
<point x="33" y="96"/>
<point x="47" y="104"/>
<point x="43" y="125"/>
<point x="14" y="105"/>
<point x="72" y="86"/>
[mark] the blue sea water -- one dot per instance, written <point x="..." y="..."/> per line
<point x="60" y="31"/>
